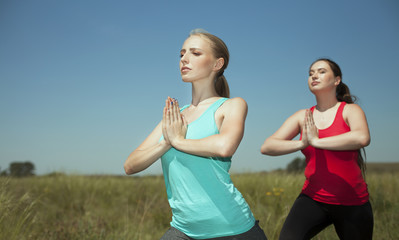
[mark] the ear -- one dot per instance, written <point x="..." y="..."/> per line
<point x="219" y="64"/>
<point x="337" y="81"/>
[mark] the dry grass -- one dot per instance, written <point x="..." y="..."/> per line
<point x="108" y="207"/>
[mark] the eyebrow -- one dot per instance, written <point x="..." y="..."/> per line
<point x="191" y="49"/>
<point x="312" y="70"/>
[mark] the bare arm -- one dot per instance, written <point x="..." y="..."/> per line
<point x="147" y="153"/>
<point x="225" y="143"/>
<point x="356" y="138"/>
<point x="281" y="142"/>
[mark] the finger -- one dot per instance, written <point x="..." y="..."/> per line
<point x="167" y="106"/>
<point x="306" y="121"/>
<point x="164" y="114"/>
<point x="174" y="110"/>
<point x="185" y="123"/>
<point x="167" y="118"/>
<point x="311" y="122"/>
<point x="306" y="126"/>
<point x="307" y="114"/>
<point x="164" y="123"/>
<point x="171" y="112"/>
<point x="310" y="117"/>
<point x="304" y="133"/>
<point x="170" y="102"/>
<point x="177" y="111"/>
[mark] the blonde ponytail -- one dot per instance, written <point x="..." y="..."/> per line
<point x="222" y="87"/>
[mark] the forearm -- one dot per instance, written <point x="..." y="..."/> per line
<point x="343" y="142"/>
<point x="139" y="159"/>
<point x="212" y="146"/>
<point x="276" y="147"/>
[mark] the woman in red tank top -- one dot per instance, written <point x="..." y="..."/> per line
<point x="332" y="134"/>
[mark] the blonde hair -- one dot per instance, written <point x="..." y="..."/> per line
<point x="220" y="50"/>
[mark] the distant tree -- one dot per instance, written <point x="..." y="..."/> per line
<point x="3" y="173"/>
<point x="22" y="169"/>
<point x="297" y="165"/>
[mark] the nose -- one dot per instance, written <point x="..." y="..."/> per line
<point x="315" y="75"/>
<point x="184" y="58"/>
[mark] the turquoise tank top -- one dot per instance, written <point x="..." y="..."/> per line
<point x="203" y="199"/>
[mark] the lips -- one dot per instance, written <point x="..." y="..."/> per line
<point x="185" y="69"/>
<point x="315" y="83"/>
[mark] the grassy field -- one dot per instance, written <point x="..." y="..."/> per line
<point x="111" y="207"/>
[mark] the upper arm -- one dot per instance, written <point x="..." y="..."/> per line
<point x="291" y="127"/>
<point x="234" y="112"/>
<point x="356" y="120"/>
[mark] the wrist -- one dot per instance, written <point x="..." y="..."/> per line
<point x="165" y="145"/>
<point x="303" y="144"/>
<point x="176" y="142"/>
<point x="314" y="142"/>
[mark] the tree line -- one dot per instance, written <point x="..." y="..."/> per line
<point x="27" y="169"/>
<point x="19" y="169"/>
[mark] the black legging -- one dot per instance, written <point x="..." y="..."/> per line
<point x="308" y="217"/>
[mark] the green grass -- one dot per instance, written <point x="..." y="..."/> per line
<point x="109" y="207"/>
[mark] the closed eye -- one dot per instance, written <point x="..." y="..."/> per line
<point x="182" y="52"/>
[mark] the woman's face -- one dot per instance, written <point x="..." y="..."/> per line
<point x="197" y="60"/>
<point x="321" y="77"/>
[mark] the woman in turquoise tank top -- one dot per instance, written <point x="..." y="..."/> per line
<point x="196" y="143"/>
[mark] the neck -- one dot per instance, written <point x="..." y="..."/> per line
<point x="325" y="101"/>
<point x="201" y="92"/>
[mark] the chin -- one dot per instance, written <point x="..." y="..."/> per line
<point x="312" y="90"/>
<point x="186" y="79"/>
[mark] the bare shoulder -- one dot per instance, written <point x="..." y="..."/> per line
<point x="299" y="115"/>
<point x="233" y="107"/>
<point x="300" y="112"/>
<point x="352" y="109"/>
<point x="353" y="114"/>
<point x="352" y="106"/>
<point x="235" y="104"/>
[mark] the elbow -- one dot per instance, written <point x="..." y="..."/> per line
<point x="266" y="149"/>
<point x="128" y="169"/>
<point x="226" y="150"/>
<point x="364" y="141"/>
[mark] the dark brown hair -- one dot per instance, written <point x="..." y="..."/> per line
<point x="342" y="93"/>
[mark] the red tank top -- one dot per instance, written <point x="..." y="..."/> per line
<point x="334" y="177"/>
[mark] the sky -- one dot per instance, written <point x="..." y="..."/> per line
<point x="82" y="83"/>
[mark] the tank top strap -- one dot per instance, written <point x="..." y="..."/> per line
<point x="312" y="108"/>
<point x="341" y="109"/>
<point x="184" y="107"/>
<point x="217" y="104"/>
<point x="213" y="107"/>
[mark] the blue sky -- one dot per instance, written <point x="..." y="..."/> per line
<point x="82" y="83"/>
